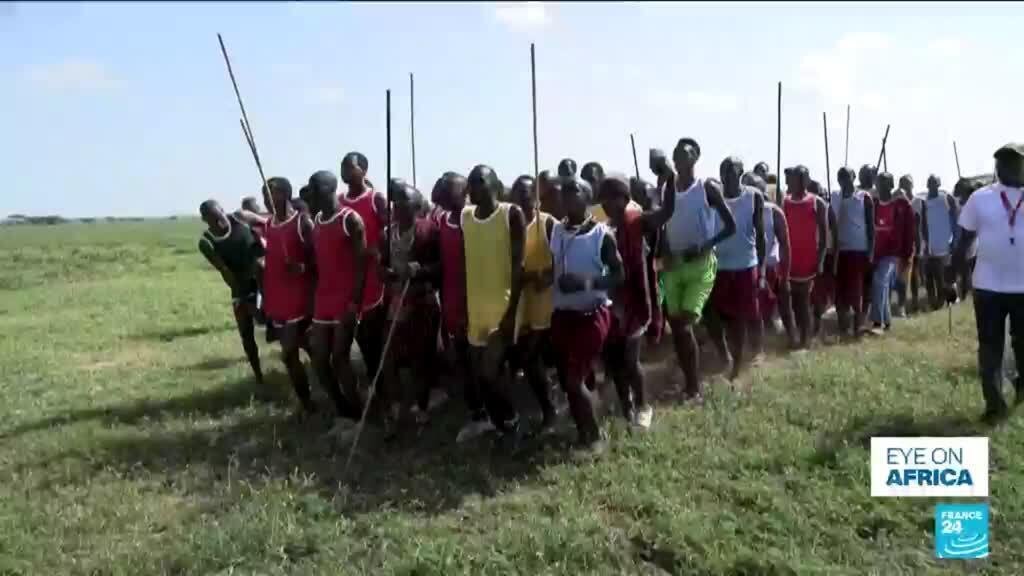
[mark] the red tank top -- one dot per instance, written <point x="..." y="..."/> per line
<point x="631" y="302"/>
<point x="334" y="262"/>
<point x="453" y="275"/>
<point x="802" y="222"/>
<point x="373" y="292"/>
<point x="286" y="293"/>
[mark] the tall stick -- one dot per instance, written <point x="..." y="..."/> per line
<point x="376" y="377"/>
<point x="387" y="237"/>
<point x="828" y="169"/>
<point x="778" y="154"/>
<point x="533" y="88"/>
<point x="636" y="165"/>
<point x="881" y="153"/>
<point x="846" y="153"/>
<point x="956" y="156"/>
<point x="247" y="128"/>
<point x="412" y="126"/>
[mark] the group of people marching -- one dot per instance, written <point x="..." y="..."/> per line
<point x="563" y="272"/>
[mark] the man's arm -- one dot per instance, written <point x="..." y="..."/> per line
<point x="960" y="254"/>
<point x="821" y="215"/>
<point x="759" y="240"/>
<point x="613" y="261"/>
<point x="547" y="275"/>
<point x="306" y="231"/>
<point x="869" y="225"/>
<point x="716" y="200"/>
<point x="206" y="248"/>
<point x="781" y="228"/>
<point x="655" y="219"/>
<point x="517" y="238"/>
<point x="357" y="236"/>
<point x="954" y="213"/>
<point x="924" y="230"/>
<point x="251" y="219"/>
<point x="909" y="231"/>
<point x="833" y="222"/>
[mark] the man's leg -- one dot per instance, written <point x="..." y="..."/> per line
<point x="737" y="328"/>
<point x="635" y="377"/>
<point x="323" y="344"/>
<point x="785" y="304"/>
<point x="247" y="330"/>
<point x="801" y="296"/>
<point x="990" y="317"/>
<point x="915" y="283"/>
<point x="932" y="282"/>
<point x="580" y="339"/>
<point x="488" y="362"/>
<point x="291" y="337"/>
<point x="687" y="351"/>
<point x="612" y="356"/>
<point x="478" y="422"/>
<point x="537" y="376"/>
<point x="1016" y="313"/>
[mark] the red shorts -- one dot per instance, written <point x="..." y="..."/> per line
<point x="735" y="294"/>
<point x="578" y="338"/>
<point x="823" y="291"/>
<point x="768" y="296"/>
<point x="853" y="267"/>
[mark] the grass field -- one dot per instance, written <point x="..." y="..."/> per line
<point x="132" y="441"/>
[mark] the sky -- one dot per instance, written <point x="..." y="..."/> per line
<point x="126" y="109"/>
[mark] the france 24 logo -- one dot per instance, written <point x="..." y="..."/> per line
<point x="961" y="531"/>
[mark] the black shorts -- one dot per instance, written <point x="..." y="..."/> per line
<point x="245" y="292"/>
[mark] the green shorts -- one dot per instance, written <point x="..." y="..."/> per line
<point x="687" y="285"/>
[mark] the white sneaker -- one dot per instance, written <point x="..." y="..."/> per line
<point x="474" y="429"/>
<point x="643" y="417"/>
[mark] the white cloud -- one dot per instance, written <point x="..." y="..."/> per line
<point x="946" y="47"/>
<point x="328" y="94"/>
<point x="522" y="15"/>
<point x="71" y="75"/>
<point x="836" y="72"/>
<point x="711" y="101"/>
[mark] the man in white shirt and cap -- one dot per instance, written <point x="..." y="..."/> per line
<point x="992" y="215"/>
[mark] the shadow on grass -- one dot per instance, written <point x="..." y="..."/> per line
<point x="860" y="432"/>
<point x="217" y="363"/>
<point x="172" y="334"/>
<point x="210" y="402"/>
<point x="423" y="472"/>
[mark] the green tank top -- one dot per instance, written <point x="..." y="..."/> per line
<point x="238" y="248"/>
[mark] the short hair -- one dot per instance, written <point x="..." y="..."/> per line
<point x="360" y="159"/>
<point x="205" y="206"/>
<point x="279" y="183"/>
<point x="845" y="171"/>
<point x="615" y="180"/>
<point x="592" y="171"/>
<point x="688" y="141"/>
<point x="581" y="185"/>
<point x="250" y="201"/>
<point x="524" y="181"/>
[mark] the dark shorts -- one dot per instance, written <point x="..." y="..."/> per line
<point x="735" y="294"/>
<point x="245" y="292"/>
<point x="768" y="296"/>
<point x="850" y="278"/>
<point x="578" y="338"/>
<point x="823" y="291"/>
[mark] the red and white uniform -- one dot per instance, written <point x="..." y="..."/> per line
<point x="453" y="276"/>
<point x="802" y="221"/>
<point x="334" y="264"/>
<point x="286" y="294"/>
<point x="364" y="206"/>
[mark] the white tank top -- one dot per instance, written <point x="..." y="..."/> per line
<point x="578" y="254"/>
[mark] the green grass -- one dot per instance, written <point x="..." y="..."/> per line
<point x="132" y="441"/>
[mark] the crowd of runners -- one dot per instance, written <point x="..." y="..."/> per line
<point x="580" y="269"/>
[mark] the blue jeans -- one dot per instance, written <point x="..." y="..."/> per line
<point x="881" y="286"/>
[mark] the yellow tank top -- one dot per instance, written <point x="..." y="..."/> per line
<point x="597" y="211"/>
<point x="487" y="245"/>
<point x="535" y="306"/>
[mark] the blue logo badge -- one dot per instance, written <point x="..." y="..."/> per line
<point x="961" y="530"/>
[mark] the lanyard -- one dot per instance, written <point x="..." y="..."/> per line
<point x="1011" y="211"/>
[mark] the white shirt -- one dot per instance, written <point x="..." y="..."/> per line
<point x="1000" y="264"/>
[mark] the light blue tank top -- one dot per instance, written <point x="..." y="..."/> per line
<point x="849" y="212"/>
<point x="940" y="233"/>
<point x="693" y="221"/>
<point x="578" y="254"/>
<point x="771" y="243"/>
<point x="739" y="251"/>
